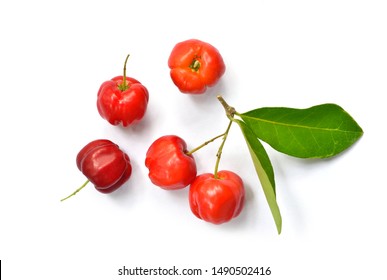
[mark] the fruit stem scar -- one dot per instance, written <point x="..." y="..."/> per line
<point x="195" y="64"/>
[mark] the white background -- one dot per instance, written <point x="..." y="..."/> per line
<point x="53" y="58"/>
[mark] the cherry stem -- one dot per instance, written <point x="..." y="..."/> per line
<point x="76" y="191"/>
<point x="204" y="144"/>
<point x="195" y="64"/>
<point x="219" y="153"/>
<point x="124" y="86"/>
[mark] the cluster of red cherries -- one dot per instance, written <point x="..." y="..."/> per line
<point x="213" y="197"/>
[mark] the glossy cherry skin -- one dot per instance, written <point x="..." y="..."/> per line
<point x="104" y="165"/>
<point x="170" y="167"/>
<point x="195" y="65"/>
<point x="122" y="106"/>
<point x="217" y="200"/>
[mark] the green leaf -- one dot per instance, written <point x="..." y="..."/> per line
<point x="316" y="132"/>
<point x="264" y="171"/>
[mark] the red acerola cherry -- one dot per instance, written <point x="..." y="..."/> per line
<point x="104" y="165"/>
<point x="170" y="167"/>
<point x="195" y="65"/>
<point x="122" y="100"/>
<point x="217" y="200"/>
